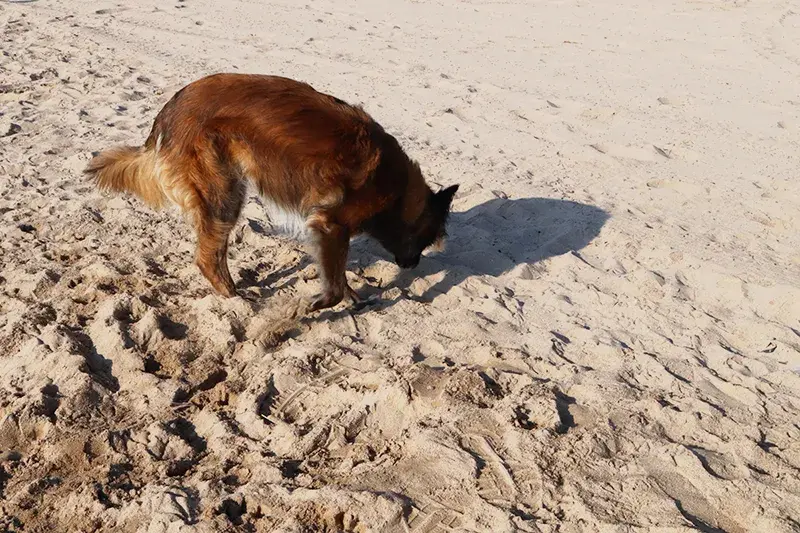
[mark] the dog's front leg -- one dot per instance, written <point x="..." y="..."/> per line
<point x="332" y="242"/>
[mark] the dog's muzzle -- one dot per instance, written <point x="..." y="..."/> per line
<point x="407" y="262"/>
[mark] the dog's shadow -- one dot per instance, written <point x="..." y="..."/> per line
<point x="489" y="239"/>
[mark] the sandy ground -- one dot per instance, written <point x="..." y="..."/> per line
<point x="610" y="343"/>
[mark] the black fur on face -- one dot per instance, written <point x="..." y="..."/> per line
<point x="407" y="241"/>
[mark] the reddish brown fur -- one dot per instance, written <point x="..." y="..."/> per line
<point x="306" y="151"/>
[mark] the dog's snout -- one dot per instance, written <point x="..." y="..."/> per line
<point x="407" y="262"/>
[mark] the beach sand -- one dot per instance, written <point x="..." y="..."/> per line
<point x="610" y="342"/>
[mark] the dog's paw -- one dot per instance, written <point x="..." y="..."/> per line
<point x="325" y="301"/>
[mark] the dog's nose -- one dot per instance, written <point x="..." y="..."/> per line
<point x="407" y="263"/>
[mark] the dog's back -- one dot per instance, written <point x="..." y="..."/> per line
<point x="299" y="146"/>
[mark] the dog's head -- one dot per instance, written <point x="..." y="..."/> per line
<point x="407" y="239"/>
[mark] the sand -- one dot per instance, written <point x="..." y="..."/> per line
<point x="610" y="342"/>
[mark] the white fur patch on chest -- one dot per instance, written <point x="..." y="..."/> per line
<point x="286" y="220"/>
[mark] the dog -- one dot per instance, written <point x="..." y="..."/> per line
<point x="325" y="168"/>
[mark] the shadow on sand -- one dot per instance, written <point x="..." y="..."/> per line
<point x="491" y="239"/>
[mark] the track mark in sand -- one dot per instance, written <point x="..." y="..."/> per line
<point x="505" y="479"/>
<point x="283" y="411"/>
<point x="664" y="152"/>
<point x="456" y="113"/>
<point x="558" y="344"/>
<point x="721" y="466"/>
<point x="562" y="407"/>
<point x="625" y="152"/>
<point x="332" y="372"/>
<point x="697" y="522"/>
<point x="689" y="501"/>
<point x="171" y="329"/>
<point x="50" y="401"/>
<point x="520" y="116"/>
<point x="495" y="482"/>
<point x="213" y="379"/>
<point x="428" y="383"/>
<point x="97" y="366"/>
<point x="431" y="518"/>
<point x="110" y="11"/>
<point x="600" y="148"/>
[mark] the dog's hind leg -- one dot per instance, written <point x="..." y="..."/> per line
<point x="214" y="222"/>
<point x="212" y="251"/>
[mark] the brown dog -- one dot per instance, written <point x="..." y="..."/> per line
<point x="325" y="167"/>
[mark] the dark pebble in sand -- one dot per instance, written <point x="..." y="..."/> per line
<point x="10" y="456"/>
<point x="13" y="129"/>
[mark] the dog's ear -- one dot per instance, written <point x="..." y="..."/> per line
<point x="444" y="198"/>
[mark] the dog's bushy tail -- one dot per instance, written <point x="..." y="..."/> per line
<point x="128" y="169"/>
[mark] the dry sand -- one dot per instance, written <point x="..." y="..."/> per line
<point x="610" y="343"/>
